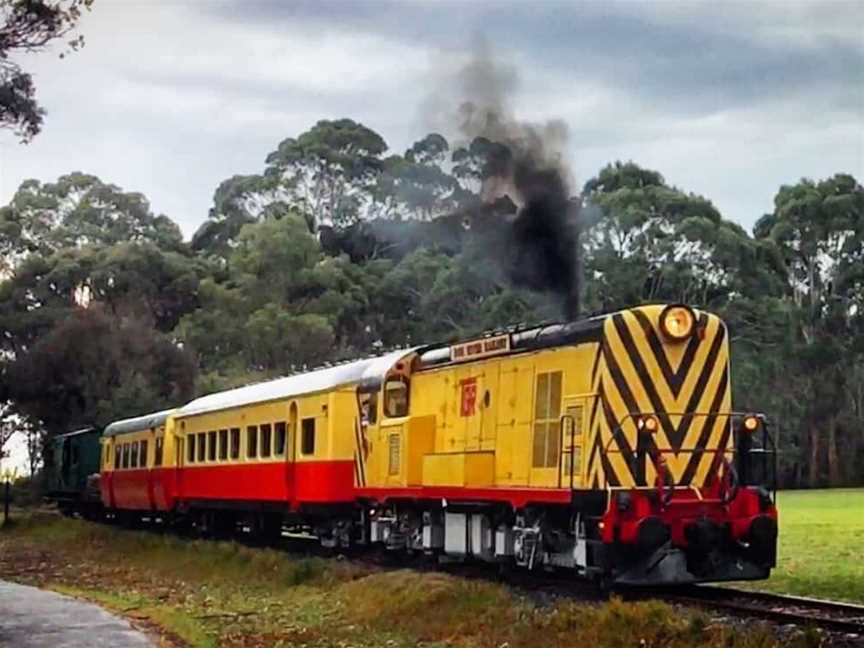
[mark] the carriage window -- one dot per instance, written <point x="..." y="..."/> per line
<point x="190" y="448"/>
<point x="202" y="446"/>
<point x="281" y="431"/>
<point x="125" y="455"/>
<point x="307" y="445"/>
<point x="235" y="443"/>
<point x="395" y="398"/>
<point x="251" y="441"/>
<point x="265" y="440"/>
<point x="211" y="445"/>
<point x="117" y="451"/>
<point x="223" y="444"/>
<point x="143" y="456"/>
<point x="157" y="459"/>
<point x="133" y="461"/>
<point x="547" y="412"/>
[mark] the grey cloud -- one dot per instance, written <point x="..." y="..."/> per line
<point x="692" y="62"/>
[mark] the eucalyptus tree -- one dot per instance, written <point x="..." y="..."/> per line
<point x="30" y="26"/>
<point x="329" y="171"/>
<point x="647" y="241"/>
<point x="78" y="210"/>
<point x="818" y="228"/>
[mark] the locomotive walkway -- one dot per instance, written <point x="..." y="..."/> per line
<point x="31" y="618"/>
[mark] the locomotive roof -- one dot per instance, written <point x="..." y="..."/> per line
<point x="529" y="339"/>
<point x="369" y="372"/>
<point x="137" y="423"/>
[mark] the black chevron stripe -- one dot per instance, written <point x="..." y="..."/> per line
<point x="593" y="454"/>
<point x="632" y="406"/>
<point x="623" y="390"/>
<point x="618" y="443"/>
<point x="646" y="380"/>
<point x="702" y="382"/>
<point x="358" y="439"/>
<point x="596" y="365"/>
<point x="675" y="379"/>
<point x="718" y="454"/>
<point x="707" y="429"/>
<point x="676" y="437"/>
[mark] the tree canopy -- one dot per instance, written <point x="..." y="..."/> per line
<point x="339" y="248"/>
<point x="30" y="26"/>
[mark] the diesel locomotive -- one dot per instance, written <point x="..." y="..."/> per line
<point x="607" y="446"/>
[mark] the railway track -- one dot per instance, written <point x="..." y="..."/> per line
<point x="843" y="621"/>
<point x="836" y="617"/>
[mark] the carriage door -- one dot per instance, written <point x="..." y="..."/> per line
<point x="573" y="441"/>
<point x="180" y="451"/>
<point x="291" y="441"/>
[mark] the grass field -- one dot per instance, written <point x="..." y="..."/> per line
<point x="821" y="545"/>
<point x="199" y="593"/>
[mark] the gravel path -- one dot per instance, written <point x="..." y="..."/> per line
<point x="31" y="618"/>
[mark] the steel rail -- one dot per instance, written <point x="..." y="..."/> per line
<point x="835" y="616"/>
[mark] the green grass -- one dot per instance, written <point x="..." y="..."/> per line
<point x="821" y="542"/>
<point x="222" y="594"/>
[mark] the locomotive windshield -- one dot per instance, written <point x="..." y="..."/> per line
<point x="396" y="398"/>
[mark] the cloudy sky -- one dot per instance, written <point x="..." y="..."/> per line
<point x="730" y="101"/>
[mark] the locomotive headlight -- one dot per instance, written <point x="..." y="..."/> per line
<point x="750" y="423"/>
<point x="677" y="322"/>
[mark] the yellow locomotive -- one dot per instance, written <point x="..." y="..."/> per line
<point x="606" y="445"/>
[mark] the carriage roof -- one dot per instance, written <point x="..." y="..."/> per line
<point x="368" y="373"/>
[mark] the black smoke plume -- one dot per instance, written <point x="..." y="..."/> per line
<point x="522" y="161"/>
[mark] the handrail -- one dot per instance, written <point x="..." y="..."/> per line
<point x="561" y="452"/>
<point x="768" y="445"/>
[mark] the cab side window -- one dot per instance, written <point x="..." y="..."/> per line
<point x="157" y="459"/>
<point x="395" y="398"/>
<point x="190" y="448"/>
<point x="118" y="450"/>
